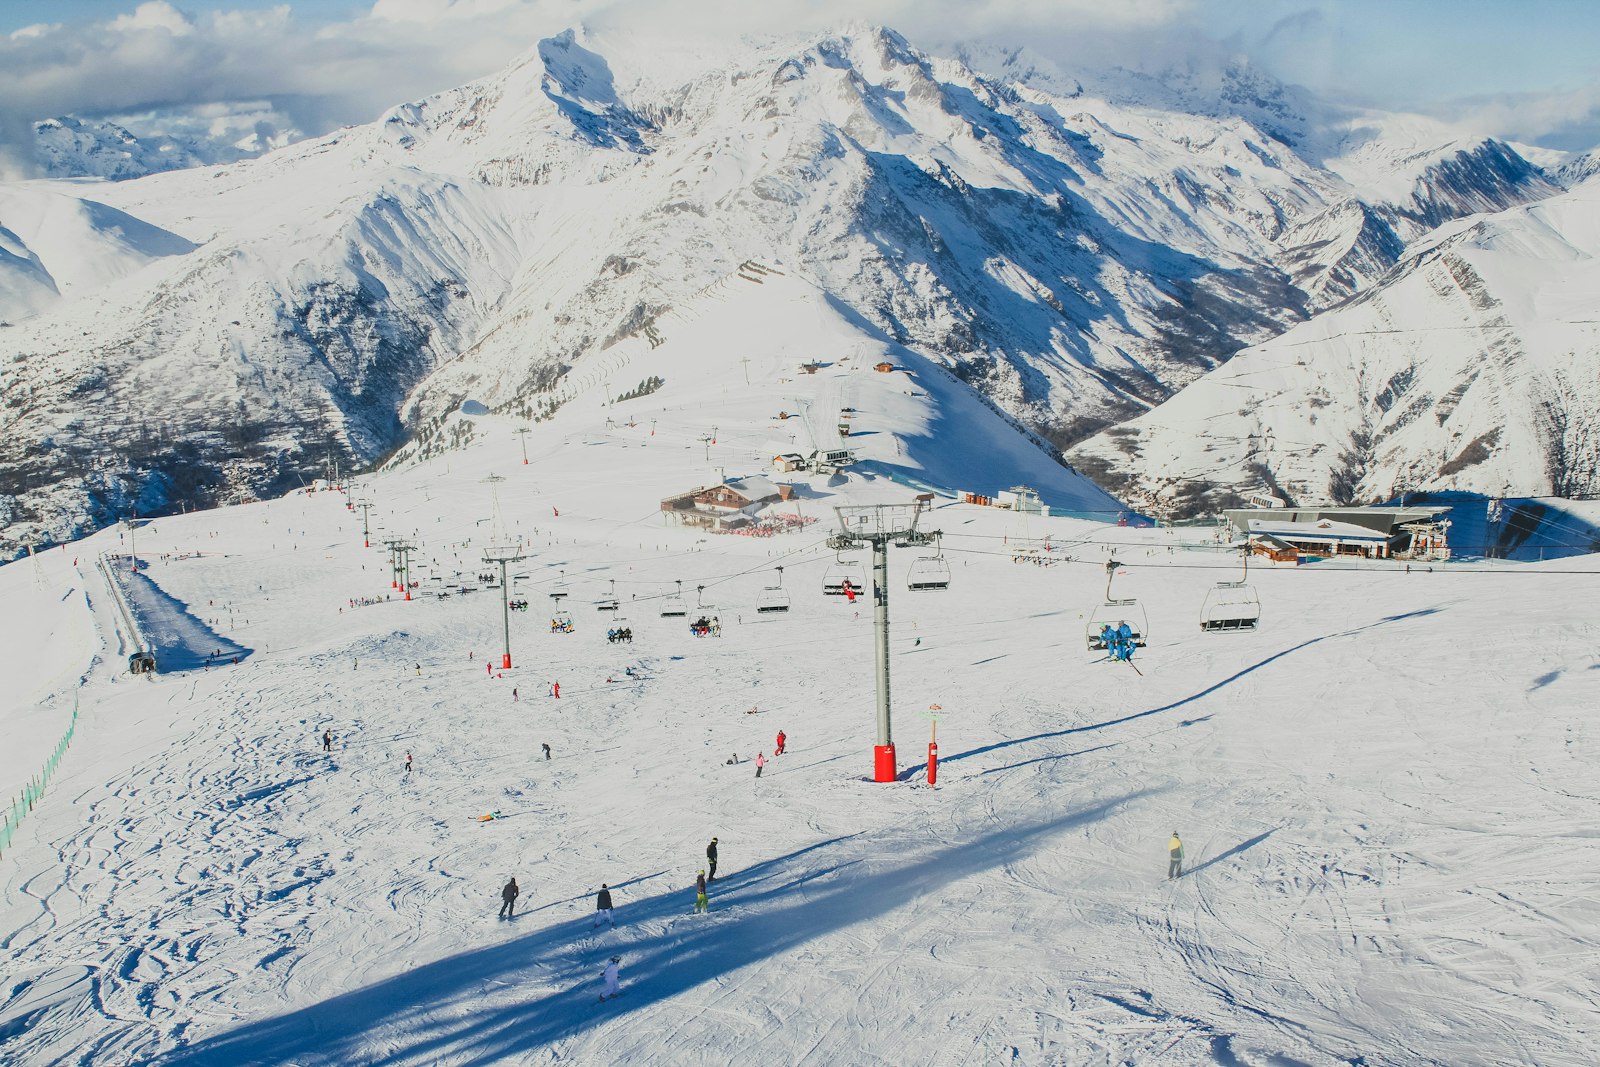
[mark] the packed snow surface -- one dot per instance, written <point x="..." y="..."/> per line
<point x="1386" y="793"/>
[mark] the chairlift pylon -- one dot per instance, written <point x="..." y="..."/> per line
<point x="1232" y="607"/>
<point x="1115" y="613"/>
<point x="773" y="600"/>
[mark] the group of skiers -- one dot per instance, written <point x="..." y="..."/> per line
<point x="1118" y="642"/>
<point x="706" y="627"/>
<point x="620" y="633"/>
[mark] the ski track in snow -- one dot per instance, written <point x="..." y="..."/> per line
<point x="1388" y="811"/>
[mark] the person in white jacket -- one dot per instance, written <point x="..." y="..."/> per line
<point x="613" y="983"/>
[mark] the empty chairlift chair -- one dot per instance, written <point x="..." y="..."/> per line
<point x="1231" y="607"/>
<point x="673" y="606"/>
<point x="929" y="572"/>
<point x="609" y="601"/>
<point x="773" y="600"/>
<point x="1115" y="613"/>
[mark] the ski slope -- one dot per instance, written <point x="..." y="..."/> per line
<point x="1387" y="793"/>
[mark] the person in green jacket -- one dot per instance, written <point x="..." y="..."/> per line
<point x="1175" y="856"/>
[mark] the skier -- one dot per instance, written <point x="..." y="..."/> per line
<point x="602" y="906"/>
<point x="761" y="761"/>
<point x="513" y="694"/>
<point x="613" y="982"/>
<point x="849" y="593"/>
<point x="327" y="740"/>
<point x="508" y="899"/>
<point x="701" y="904"/>
<point x="555" y="690"/>
<point x="782" y="737"/>
<point x="419" y="670"/>
<point x="1175" y="857"/>
<point x="408" y="763"/>
<point x="546" y="746"/>
<point x="488" y="668"/>
<point x="711" y="858"/>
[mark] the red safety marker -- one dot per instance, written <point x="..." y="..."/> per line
<point x="883" y="763"/>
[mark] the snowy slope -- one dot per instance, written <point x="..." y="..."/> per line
<point x="1386" y="815"/>
<point x="1471" y="368"/>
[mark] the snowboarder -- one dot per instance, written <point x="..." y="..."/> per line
<point x="701" y="904"/>
<point x="1175" y="857"/>
<point x="602" y="906"/>
<point x="761" y="761"/>
<point x="711" y="858"/>
<point x="546" y="747"/>
<point x="781" y="739"/>
<point x="327" y="740"/>
<point x="508" y="899"/>
<point x="613" y="982"/>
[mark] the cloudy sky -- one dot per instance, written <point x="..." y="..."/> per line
<point x="1527" y="70"/>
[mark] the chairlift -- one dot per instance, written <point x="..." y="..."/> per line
<point x="841" y="571"/>
<point x="561" y="623"/>
<point x="620" y="629"/>
<point x="1231" y="607"/>
<point x="773" y="600"/>
<point x="559" y="591"/>
<point x="929" y="572"/>
<point x="700" y="600"/>
<point x="673" y="606"/>
<point x="1115" y="613"/>
<point x="608" y="602"/>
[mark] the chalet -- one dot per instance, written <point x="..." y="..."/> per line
<point x="788" y="462"/>
<point x="727" y="506"/>
<point x="883" y="368"/>
<point x="1368" y="533"/>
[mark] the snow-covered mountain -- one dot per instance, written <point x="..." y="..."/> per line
<point x="1470" y="367"/>
<point x="71" y="147"/>
<point x="1078" y="255"/>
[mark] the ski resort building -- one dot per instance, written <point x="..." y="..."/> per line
<point x="1370" y="533"/>
<point x="728" y="506"/>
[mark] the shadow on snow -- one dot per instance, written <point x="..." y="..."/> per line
<point x="428" y="1013"/>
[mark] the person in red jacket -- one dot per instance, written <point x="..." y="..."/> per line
<point x="781" y="738"/>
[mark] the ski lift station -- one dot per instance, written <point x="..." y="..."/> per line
<point x="1412" y="533"/>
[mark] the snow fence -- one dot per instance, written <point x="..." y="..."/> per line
<point x="36" y="785"/>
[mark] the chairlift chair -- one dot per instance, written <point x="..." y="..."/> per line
<point x="673" y="606"/>
<point x="561" y="623"/>
<point x="773" y="600"/>
<point x="929" y="572"/>
<point x="700" y="600"/>
<point x="559" y="591"/>
<point x="844" y="570"/>
<point x="1231" y="607"/>
<point x="608" y="602"/>
<point x="1115" y="613"/>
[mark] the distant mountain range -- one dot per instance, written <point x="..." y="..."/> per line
<point x="1083" y="249"/>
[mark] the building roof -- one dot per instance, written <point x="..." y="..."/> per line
<point x="1374" y="520"/>
<point x="1320" y="530"/>
<point x="753" y="488"/>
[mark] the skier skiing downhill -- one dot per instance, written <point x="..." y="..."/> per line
<point x="711" y="858"/>
<point x="508" y="899"/>
<point x="613" y="982"/>
<point x="602" y="906"/>
<point x="1175" y="857"/>
<point x="782" y="737"/>
<point x="701" y="904"/>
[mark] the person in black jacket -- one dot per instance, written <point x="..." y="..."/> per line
<point x="602" y="906"/>
<point x="711" y="858"/>
<point x="508" y="898"/>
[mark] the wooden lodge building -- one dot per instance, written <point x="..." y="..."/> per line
<point x="1284" y="533"/>
<point x="728" y="506"/>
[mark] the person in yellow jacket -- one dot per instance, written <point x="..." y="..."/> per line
<point x="1175" y="856"/>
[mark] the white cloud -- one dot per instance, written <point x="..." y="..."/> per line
<point x="155" y="60"/>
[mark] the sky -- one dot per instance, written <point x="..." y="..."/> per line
<point x="1528" y="70"/>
